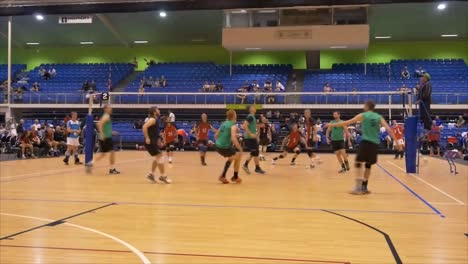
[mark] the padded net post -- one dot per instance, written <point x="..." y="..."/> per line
<point x="411" y="140"/>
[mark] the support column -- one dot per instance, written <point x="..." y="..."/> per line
<point x="9" y="61"/>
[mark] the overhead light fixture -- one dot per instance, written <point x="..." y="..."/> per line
<point x="32" y="43"/>
<point x="86" y="43"/>
<point x="383" y="37"/>
<point x="441" y="6"/>
<point x="39" y="17"/>
<point x="338" y="47"/>
<point x="253" y="48"/>
<point x="140" y="41"/>
<point x="198" y="40"/>
<point x="449" y="35"/>
<point x="242" y="11"/>
<point x="162" y="14"/>
<point x="266" y="11"/>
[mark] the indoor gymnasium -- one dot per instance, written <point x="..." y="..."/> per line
<point x="272" y="132"/>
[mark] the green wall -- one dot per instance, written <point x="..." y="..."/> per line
<point x="377" y="52"/>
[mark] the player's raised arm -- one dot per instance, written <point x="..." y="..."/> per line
<point x="354" y="120"/>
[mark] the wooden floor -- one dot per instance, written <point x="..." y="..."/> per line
<point x="50" y="213"/>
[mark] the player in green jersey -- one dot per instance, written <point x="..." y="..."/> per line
<point x="337" y="142"/>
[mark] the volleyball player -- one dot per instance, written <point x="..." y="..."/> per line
<point x="368" y="148"/>
<point x="251" y="141"/>
<point x="337" y="142"/>
<point x="228" y="146"/>
<point x="152" y="144"/>
<point x="399" y="132"/>
<point x="311" y="138"/>
<point x="73" y="142"/>
<point x="264" y="136"/>
<point x="291" y="143"/>
<point x="201" y="132"/>
<point x="170" y="134"/>
<point x="104" y="127"/>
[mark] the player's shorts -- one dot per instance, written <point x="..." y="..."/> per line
<point x="337" y="145"/>
<point x="251" y="144"/>
<point x="264" y="141"/>
<point x="106" y="145"/>
<point x="367" y="152"/>
<point x="227" y="153"/>
<point x="153" y="149"/>
<point x="291" y="149"/>
<point x="434" y="144"/>
<point x="173" y="144"/>
<point x="73" y="141"/>
<point x="203" y="142"/>
<point x="399" y="141"/>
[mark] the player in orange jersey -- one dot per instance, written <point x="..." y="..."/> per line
<point x="170" y="136"/>
<point x="291" y="144"/>
<point x="201" y="132"/>
<point x="399" y="132"/>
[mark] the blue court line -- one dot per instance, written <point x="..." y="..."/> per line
<point x="223" y="206"/>
<point x="411" y="191"/>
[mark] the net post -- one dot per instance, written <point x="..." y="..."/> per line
<point x="411" y="141"/>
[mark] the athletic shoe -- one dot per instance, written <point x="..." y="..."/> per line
<point x="358" y="188"/>
<point x="292" y="163"/>
<point x="114" y="171"/>
<point x="165" y="179"/>
<point x="236" y="179"/>
<point x="204" y="163"/>
<point x="151" y="178"/>
<point x="343" y="170"/>
<point x="273" y="162"/>
<point x="311" y="166"/>
<point x="78" y="162"/>
<point x="259" y="170"/>
<point x="65" y="161"/>
<point x="246" y="169"/>
<point x="223" y="180"/>
<point x="24" y="157"/>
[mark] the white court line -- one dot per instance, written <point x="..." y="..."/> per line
<point x="127" y="245"/>
<point x="51" y="172"/>
<point x="445" y="203"/>
<point x="428" y="184"/>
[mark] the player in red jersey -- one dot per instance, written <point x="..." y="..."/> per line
<point x="311" y="138"/>
<point x="399" y="132"/>
<point x="201" y="132"/>
<point x="291" y="143"/>
<point x="170" y="136"/>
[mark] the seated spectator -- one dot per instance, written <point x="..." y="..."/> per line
<point x="25" y="143"/>
<point x="141" y="89"/>
<point x="52" y="73"/>
<point x="271" y="99"/>
<point x="267" y="85"/>
<point x="36" y="125"/>
<point x="162" y="81"/>
<point x="150" y="81"/>
<point x="255" y="86"/>
<point x="92" y="86"/>
<point x="212" y="87"/>
<point x="156" y="83"/>
<point x="327" y="88"/>
<point x="35" y="87"/>
<point x="46" y="75"/>
<point x="258" y="96"/>
<point x="279" y="87"/>
<point x="85" y="86"/>
<point x="246" y="86"/>
<point x="419" y="72"/>
<point x="416" y="89"/>
<point x="206" y="87"/>
<point x="405" y="73"/>
<point x="219" y="86"/>
<point x="242" y="97"/>
<point x="42" y="71"/>
<point x="460" y="122"/>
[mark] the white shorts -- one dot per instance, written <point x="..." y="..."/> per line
<point x="400" y="141"/>
<point x="73" y="141"/>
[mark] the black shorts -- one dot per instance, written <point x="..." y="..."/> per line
<point x="264" y="141"/>
<point x="251" y="144"/>
<point x="367" y="152"/>
<point x="168" y="146"/>
<point x="203" y="142"/>
<point x="153" y="149"/>
<point x="337" y="145"/>
<point x="106" y="145"/>
<point x="227" y="153"/>
<point x="434" y="144"/>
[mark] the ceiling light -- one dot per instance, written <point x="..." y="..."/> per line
<point x="32" y="43"/>
<point x="338" y="47"/>
<point x="253" y="48"/>
<point x="382" y="37"/>
<point x="162" y="14"/>
<point x="243" y="11"/>
<point x="441" y="6"/>
<point x="86" y="43"/>
<point x="140" y="41"/>
<point x="267" y="11"/>
<point x="449" y="35"/>
<point x="39" y="17"/>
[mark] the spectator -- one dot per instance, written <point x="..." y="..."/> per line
<point x="327" y="88"/>
<point x="271" y="99"/>
<point x="150" y="81"/>
<point x="46" y="75"/>
<point x="242" y="97"/>
<point x="416" y="89"/>
<point x="258" y="96"/>
<point x="294" y="82"/>
<point x="52" y="73"/>
<point x="434" y="139"/>
<point x="41" y="71"/>
<point x="424" y="98"/>
<point x="219" y="87"/>
<point x="419" y="72"/>
<point x="255" y="86"/>
<point x="25" y="143"/>
<point x="36" y="126"/>
<point x="141" y="89"/>
<point x="156" y="83"/>
<point x="35" y="87"/>
<point x="206" y="87"/>
<point x="405" y="75"/>
<point x="92" y="86"/>
<point x="267" y="86"/>
<point x="162" y="81"/>
<point x="20" y="128"/>
<point x="438" y="121"/>
<point x="171" y="117"/>
<point x="85" y="86"/>
<point x="460" y="122"/>
<point x="279" y="87"/>
<point x="212" y="87"/>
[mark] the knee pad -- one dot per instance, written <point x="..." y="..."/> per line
<point x="170" y="148"/>
<point x="357" y="165"/>
<point x="297" y="152"/>
<point x="255" y="153"/>
<point x="203" y="148"/>
<point x="161" y="160"/>
<point x="368" y="165"/>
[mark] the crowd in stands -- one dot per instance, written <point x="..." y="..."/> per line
<point x="158" y="82"/>
<point x="255" y="87"/>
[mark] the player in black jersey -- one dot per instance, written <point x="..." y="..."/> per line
<point x="153" y="145"/>
<point x="264" y="136"/>
<point x="311" y="138"/>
